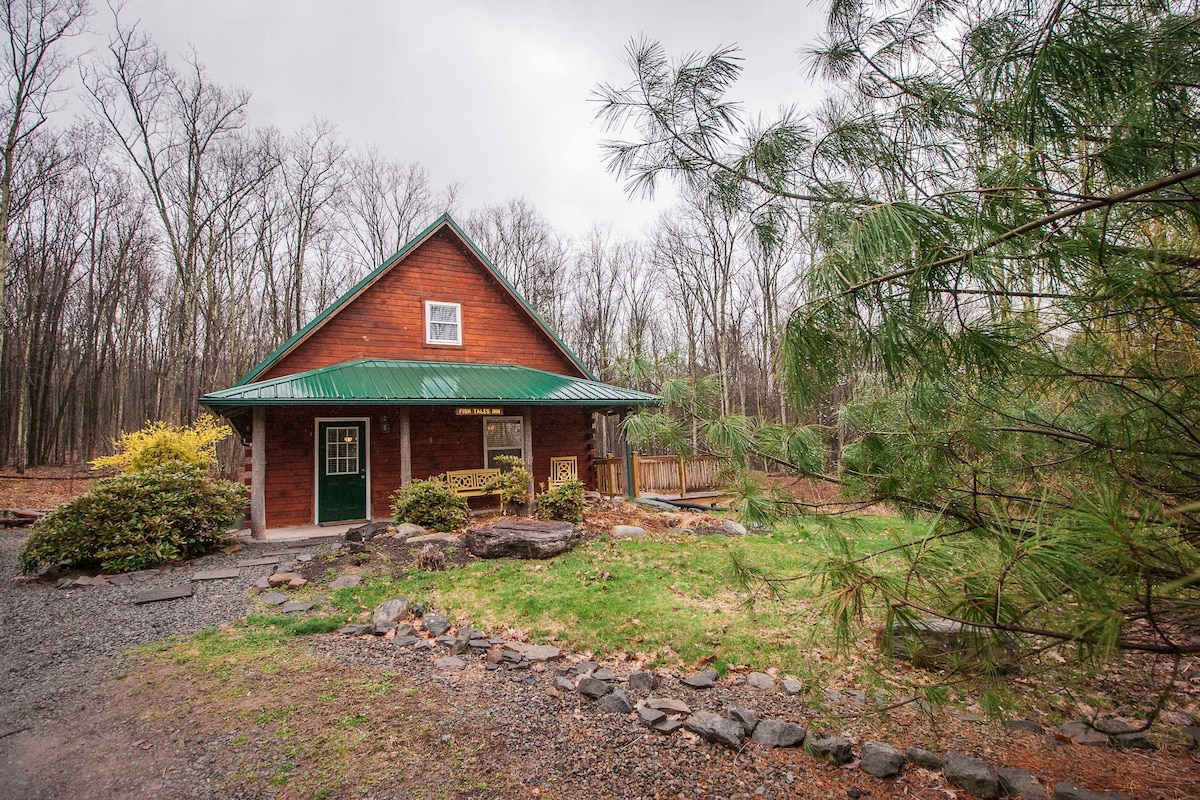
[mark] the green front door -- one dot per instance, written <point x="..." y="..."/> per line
<point x="341" y="471"/>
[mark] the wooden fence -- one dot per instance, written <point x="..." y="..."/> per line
<point x="667" y="475"/>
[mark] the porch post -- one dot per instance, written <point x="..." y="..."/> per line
<point x="258" y="473"/>
<point x="630" y="472"/>
<point x="527" y="444"/>
<point x="405" y="448"/>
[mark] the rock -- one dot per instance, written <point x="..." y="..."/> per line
<point x="346" y="581"/>
<point x="355" y="630"/>
<point x="667" y="725"/>
<point x="1065" y="791"/>
<point x="627" y="531"/>
<point x="542" y="652"/>
<point x="584" y="667"/>
<point x="436" y="624"/>
<point x="656" y="505"/>
<point x="745" y="717"/>
<point x="563" y="684"/>
<point x="640" y="682"/>
<point x="792" y="687"/>
<point x="777" y="733"/>
<point x="1083" y="734"/>
<point x="924" y="758"/>
<point x="380" y="628"/>
<point x="158" y="595"/>
<point x="1024" y="725"/>
<point x="716" y="728"/>
<point x="1126" y="734"/>
<point x="880" y="760"/>
<point x="522" y="539"/>
<point x="615" y="702"/>
<point x="120" y="580"/>
<point x="282" y="578"/>
<point x="405" y="641"/>
<point x="934" y="643"/>
<point x="650" y="716"/>
<point x="304" y="558"/>
<point x="462" y="640"/>
<point x="669" y="705"/>
<point x="595" y="689"/>
<point x="367" y="532"/>
<point x="404" y="629"/>
<point x="972" y="775"/>
<point x="701" y="680"/>
<point x="760" y="680"/>
<point x="297" y="582"/>
<point x="262" y="584"/>
<point x="417" y="609"/>
<point x="392" y="610"/>
<point x="216" y="574"/>
<point x="1020" y="784"/>
<point x="735" y="528"/>
<point x="273" y="598"/>
<point x="604" y="674"/>
<point x="406" y="530"/>
<point x="293" y="607"/>
<point x="449" y="662"/>
<point x="1192" y="732"/>
<point x="834" y="749"/>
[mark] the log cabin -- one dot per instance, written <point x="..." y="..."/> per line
<point x="432" y="364"/>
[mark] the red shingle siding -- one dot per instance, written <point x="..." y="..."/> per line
<point x="388" y="319"/>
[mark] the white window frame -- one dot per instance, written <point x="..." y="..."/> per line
<point x="519" y="420"/>
<point x="429" y="304"/>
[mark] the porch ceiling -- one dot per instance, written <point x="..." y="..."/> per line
<point x="375" y="381"/>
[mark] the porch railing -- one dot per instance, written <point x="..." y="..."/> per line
<point x="675" y="475"/>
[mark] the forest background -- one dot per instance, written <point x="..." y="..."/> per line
<point x="157" y="243"/>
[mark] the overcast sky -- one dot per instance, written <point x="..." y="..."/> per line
<point x="494" y="95"/>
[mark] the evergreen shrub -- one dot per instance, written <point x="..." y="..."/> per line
<point x="430" y="504"/>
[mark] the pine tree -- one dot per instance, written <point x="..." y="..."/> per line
<point x="1003" y="197"/>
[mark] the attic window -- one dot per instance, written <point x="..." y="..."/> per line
<point x="443" y="323"/>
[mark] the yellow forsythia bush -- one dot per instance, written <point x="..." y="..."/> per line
<point x="159" y="443"/>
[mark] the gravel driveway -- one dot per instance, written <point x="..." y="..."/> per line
<point x="57" y="643"/>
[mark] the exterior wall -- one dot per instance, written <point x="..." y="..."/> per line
<point x="441" y="441"/>
<point x="388" y="319"/>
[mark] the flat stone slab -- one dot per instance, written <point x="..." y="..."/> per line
<point x="216" y="574"/>
<point x="701" y="680"/>
<point x="259" y="562"/>
<point x="274" y="598"/>
<point x="158" y="595"/>
<point x="294" y="606"/>
<point x="448" y="538"/>
<point x="449" y="662"/>
<point x="346" y="582"/>
<point x="669" y="705"/>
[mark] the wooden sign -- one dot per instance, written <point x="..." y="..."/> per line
<point x="479" y="412"/>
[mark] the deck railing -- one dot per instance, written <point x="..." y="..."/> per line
<point x="674" y="475"/>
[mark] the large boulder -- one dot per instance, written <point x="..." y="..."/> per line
<point x="522" y="539"/>
<point x="777" y="733"/>
<point x="881" y="760"/>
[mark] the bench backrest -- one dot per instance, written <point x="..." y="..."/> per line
<point x="471" y="482"/>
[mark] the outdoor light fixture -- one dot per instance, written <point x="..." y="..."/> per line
<point x="384" y="425"/>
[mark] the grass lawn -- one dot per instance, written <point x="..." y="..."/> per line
<point x="666" y="599"/>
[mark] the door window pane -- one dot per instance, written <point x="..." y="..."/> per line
<point x="341" y="450"/>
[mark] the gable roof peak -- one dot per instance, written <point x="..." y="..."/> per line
<point x="444" y="221"/>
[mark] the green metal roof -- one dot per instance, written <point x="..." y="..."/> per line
<point x="374" y="381"/>
<point x="446" y="221"/>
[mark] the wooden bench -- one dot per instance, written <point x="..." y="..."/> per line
<point x="472" y="482"/>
